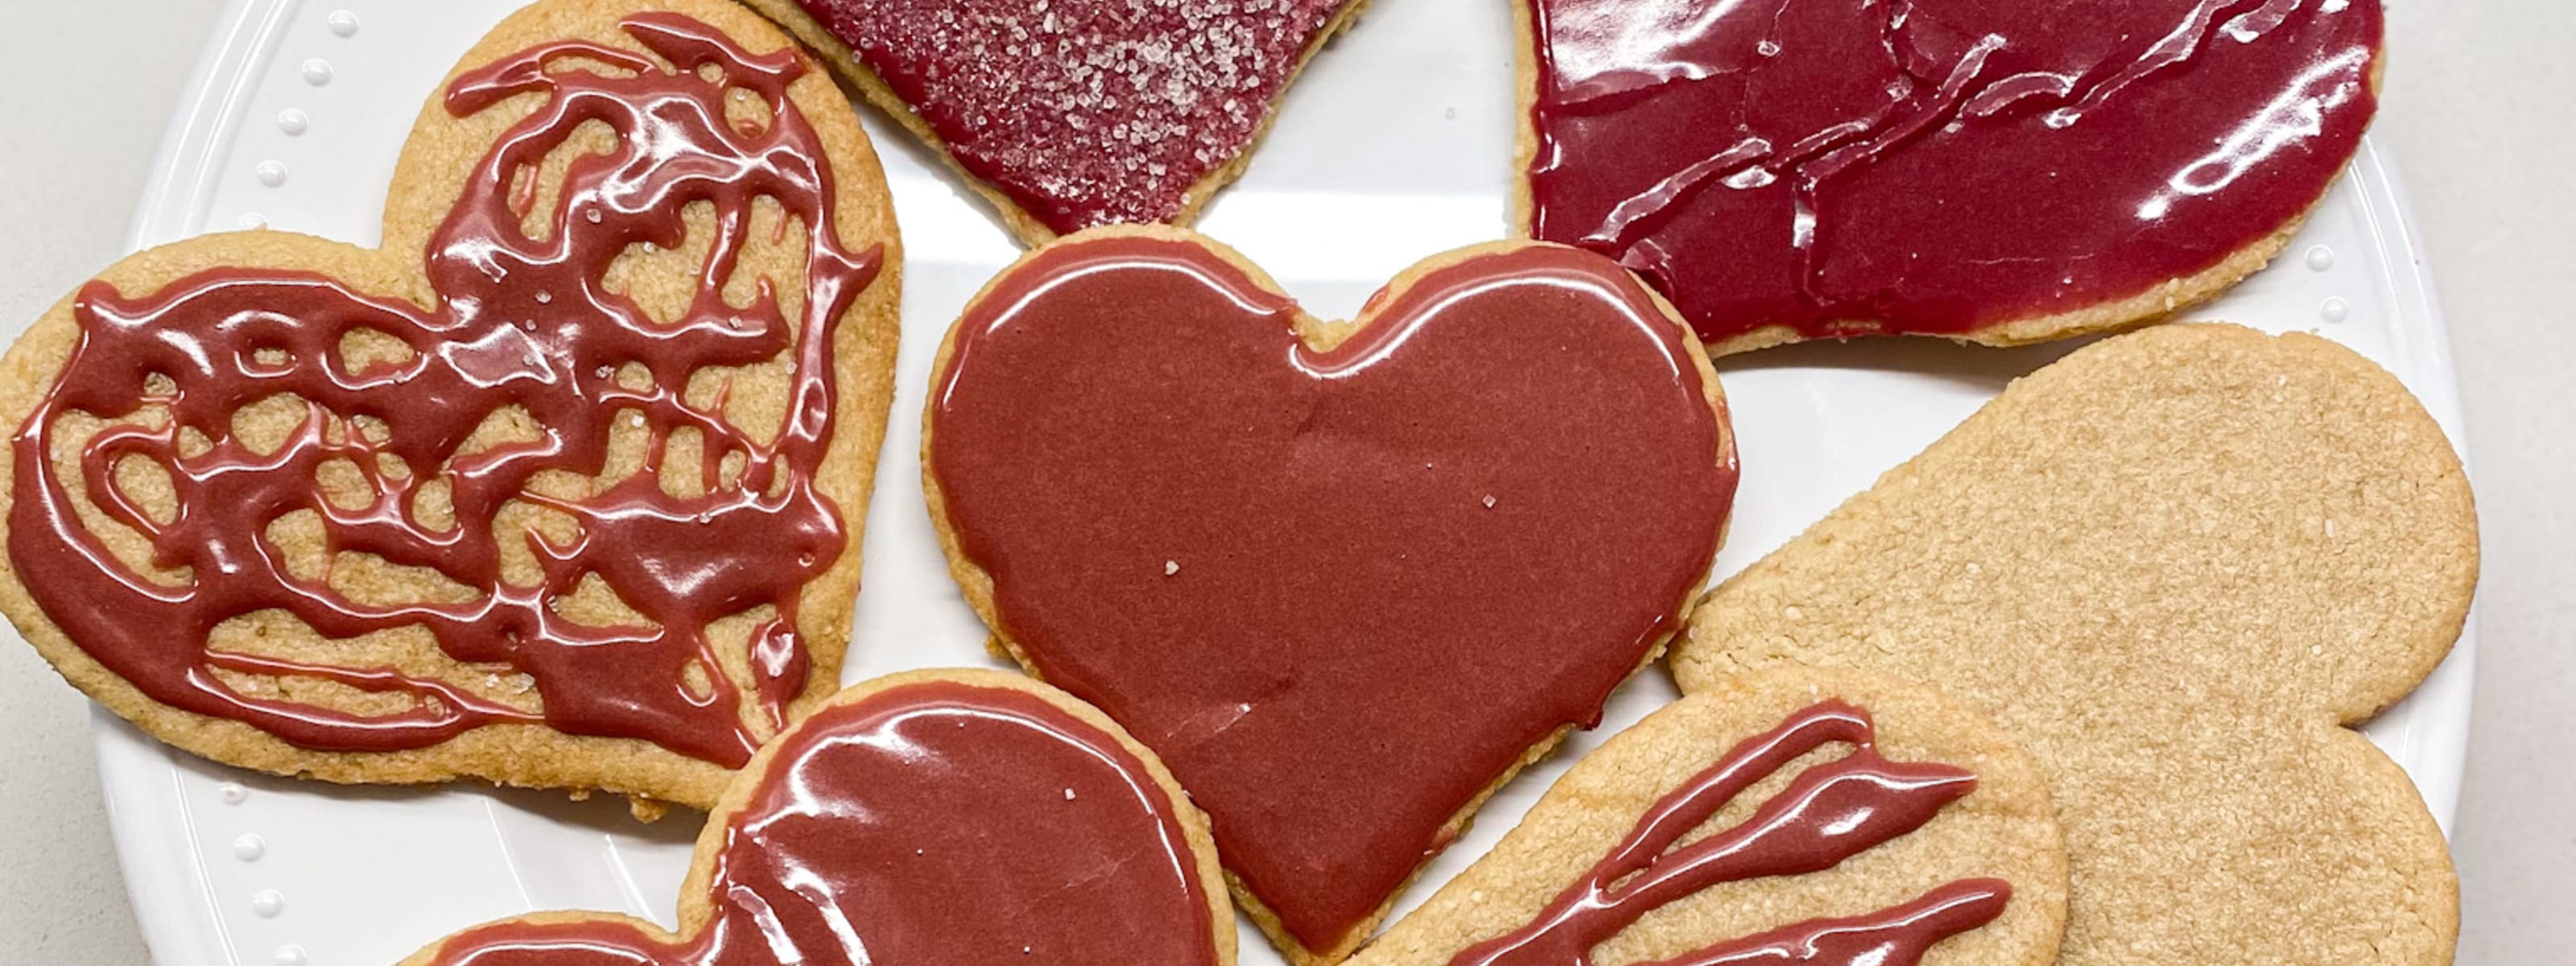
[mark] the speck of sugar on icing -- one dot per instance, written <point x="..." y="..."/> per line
<point x="1171" y="567"/>
<point x="1085" y="112"/>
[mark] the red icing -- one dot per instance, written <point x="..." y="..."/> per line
<point x="1338" y="592"/>
<point x="928" y="823"/>
<point x="1936" y="165"/>
<point x="1830" y="812"/>
<point x="1085" y="112"/>
<point x="519" y="322"/>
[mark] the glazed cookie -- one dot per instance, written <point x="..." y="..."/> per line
<point x="966" y="818"/>
<point x="1071" y="114"/>
<point x="1989" y="172"/>
<point x="1345" y="578"/>
<point x="560" y="487"/>
<point x="1835" y="818"/>
<point x="2176" y="566"/>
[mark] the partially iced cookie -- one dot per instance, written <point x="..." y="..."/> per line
<point x="1832" y="818"/>
<point x="559" y="487"/>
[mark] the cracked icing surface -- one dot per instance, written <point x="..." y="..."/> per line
<point x="1085" y="112"/>
<point x="1831" y="167"/>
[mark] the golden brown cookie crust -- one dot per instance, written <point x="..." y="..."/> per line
<point x="436" y="161"/>
<point x="2006" y="829"/>
<point x="1026" y="227"/>
<point x="2155" y="303"/>
<point x="977" y="583"/>
<point x="2176" y="566"/>
<point x="696" y="910"/>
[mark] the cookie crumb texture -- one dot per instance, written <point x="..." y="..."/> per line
<point x="1998" y="171"/>
<point x="550" y="490"/>
<point x="1086" y="112"/>
<point x="1854" y="817"/>
<point x="2175" y="566"/>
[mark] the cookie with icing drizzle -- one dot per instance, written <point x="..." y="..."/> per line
<point x="1990" y="172"/>
<point x="970" y="818"/>
<point x="1831" y="818"/>
<point x="1345" y="577"/>
<point x="1072" y="114"/>
<point x="559" y="487"/>
<point x="2177" y="566"/>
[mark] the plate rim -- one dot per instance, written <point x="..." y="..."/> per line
<point x="164" y="867"/>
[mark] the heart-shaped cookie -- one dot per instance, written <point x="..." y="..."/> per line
<point x="1827" y="818"/>
<point x="559" y="487"/>
<point x="1995" y="172"/>
<point x="1344" y="578"/>
<point x="1070" y="114"/>
<point x="965" y="818"/>
<point x="2176" y="566"/>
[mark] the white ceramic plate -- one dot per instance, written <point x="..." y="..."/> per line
<point x="1395" y="146"/>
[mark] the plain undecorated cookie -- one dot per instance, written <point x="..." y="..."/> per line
<point x="2177" y="566"/>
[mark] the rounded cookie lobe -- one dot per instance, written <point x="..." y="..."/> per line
<point x="2176" y="566"/>
<point x="1997" y="172"/>
<point x="411" y="520"/>
<point x="951" y="817"/>
<point x="1825" y="817"/>
<point x="1344" y="583"/>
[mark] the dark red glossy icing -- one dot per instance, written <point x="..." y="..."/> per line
<point x="519" y="321"/>
<point x="1085" y="112"/>
<point x="1830" y="812"/>
<point x="1936" y="165"/>
<point x="939" y="822"/>
<point x="1338" y="592"/>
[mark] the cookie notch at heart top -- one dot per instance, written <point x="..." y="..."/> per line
<point x="1076" y="113"/>
<point x="968" y="818"/>
<point x="1346" y="578"/>
<point x="2177" y="566"/>
<point x="1995" y="173"/>
<point x="559" y="487"/>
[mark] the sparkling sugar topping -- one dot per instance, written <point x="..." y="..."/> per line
<point x="1086" y="112"/>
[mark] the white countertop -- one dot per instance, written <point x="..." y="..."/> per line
<point x="2477" y="113"/>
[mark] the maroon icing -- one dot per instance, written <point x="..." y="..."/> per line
<point x="1935" y="165"/>
<point x="518" y="322"/>
<point x="1339" y="592"/>
<point x="1085" y="112"/>
<point x="1830" y="812"/>
<point x="938" y="822"/>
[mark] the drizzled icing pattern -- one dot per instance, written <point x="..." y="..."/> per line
<point x="1935" y="166"/>
<point x="937" y="821"/>
<point x="1086" y="112"/>
<point x="1340" y="591"/>
<point x="518" y="321"/>
<point x="1829" y="812"/>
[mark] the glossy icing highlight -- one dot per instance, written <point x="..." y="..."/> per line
<point x="520" y="322"/>
<point x="934" y="821"/>
<point x="1835" y="167"/>
<point x="1338" y="591"/>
